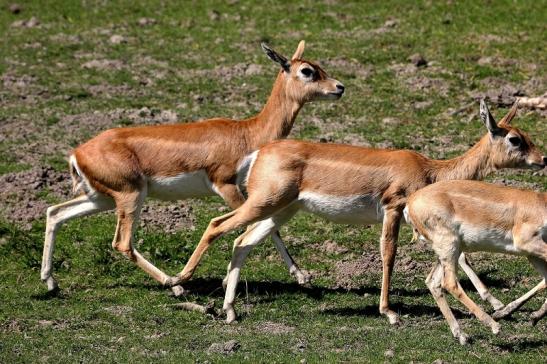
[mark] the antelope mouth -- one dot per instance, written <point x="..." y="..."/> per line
<point x="537" y="165"/>
<point x="335" y="95"/>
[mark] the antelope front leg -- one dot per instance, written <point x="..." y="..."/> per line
<point x="388" y="247"/>
<point x="484" y="293"/>
<point x="129" y="207"/>
<point x="212" y="233"/>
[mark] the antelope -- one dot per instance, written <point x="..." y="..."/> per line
<point x="120" y="167"/>
<point x="352" y="185"/>
<point x="468" y="216"/>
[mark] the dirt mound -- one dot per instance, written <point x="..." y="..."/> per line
<point x="346" y="271"/>
<point x="167" y="218"/>
<point x="19" y="196"/>
<point x="331" y="247"/>
<point x="22" y="201"/>
<point x="274" y="328"/>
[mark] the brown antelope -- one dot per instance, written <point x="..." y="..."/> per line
<point x="468" y="216"/>
<point x="120" y="167"/>
<point x="354" y="185"/>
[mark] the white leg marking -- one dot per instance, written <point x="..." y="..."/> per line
<point x="56" y="216"/>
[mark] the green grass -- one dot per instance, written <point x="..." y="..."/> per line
<point x="108" y="310"/>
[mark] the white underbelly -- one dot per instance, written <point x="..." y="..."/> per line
<point x="491" y="240"/>
<point x="361" y="210"/>
<point x="184" y="185"/>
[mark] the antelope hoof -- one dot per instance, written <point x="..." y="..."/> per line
<point x="495" y="328"/>
<point x="178" y="291"/>
<point x="462" y="337"/>
<point x="51" y="284"/>
<point x="536" y="316"/>
<point x="499" y="314"/>
<point x="303" y="277"/>
<point x="392" y="317"/>
<point x="230" y="316"/>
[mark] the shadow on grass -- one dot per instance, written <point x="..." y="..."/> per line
<point x="525" y="345"/>
<point x="400" y="308"/>
<point x="48" y="295"/>
<point x="210" y="287"/>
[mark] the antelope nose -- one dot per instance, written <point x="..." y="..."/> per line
<point x="544" y="161"/>
<point x="340" y="87"/>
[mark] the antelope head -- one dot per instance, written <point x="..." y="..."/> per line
<point x="303" y="80"/>
<point x="512" y="146"/>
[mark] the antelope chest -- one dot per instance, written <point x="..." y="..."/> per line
<point x="184" y="185"/>
<point x="359" y="210"/>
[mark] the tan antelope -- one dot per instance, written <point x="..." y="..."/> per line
<point x="352" y="185"/>
<point x="120" y="167"/>
<point x="468" y="216"/>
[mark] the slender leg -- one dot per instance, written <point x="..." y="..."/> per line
<point x="259" y="206"/>
<point x="59" y="214"/>
<point x="234" y="198"/>
<point x="302" y="276"/>
<point x="217" y="227"/>
<point x="451" y="284"/>
<point x="434" y="283"/>
<point x="541" y="267"/>
<point x="539" y="314"/>
<point x="388" y="248"/>
<point x="479" y="286"/>
<point x="242" y="247"/>
<point x="128" y="208"/>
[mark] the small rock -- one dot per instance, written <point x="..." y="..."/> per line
<point x="418" y="60"/>
<point x="300" y="346"/>
<point x="117" y="39"/>
<point x="15" y="8"/>
<point x="389" y="353"/>
<point x="226" y="348"/>
<point x="392" y="23"/>
<point x="18" y="24"/>
<point x="391" y="121"/>
<point x="146" y="21"/>
<point x="231" y="346"/>
<point x="437" y="361"/>
<point x="32" y="22"/>
<point x="214" y="15"/>
<point x="422" y="104"/>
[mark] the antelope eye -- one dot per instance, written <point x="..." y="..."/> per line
<point x="308" y="72"/>
<point x="515" y="141"/>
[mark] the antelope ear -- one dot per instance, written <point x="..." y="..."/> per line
<point x="299" y="51"/>
<point x="487" y="118"/>
<point x="276" y="57"/>
<point x="506" y="120"/>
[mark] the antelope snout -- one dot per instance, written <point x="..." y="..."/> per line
<point x="341" y="89"/>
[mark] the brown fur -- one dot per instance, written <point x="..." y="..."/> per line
<point x="119" y="163"/>
<point x="285" y="168"/>
<point x="456" y="216"/>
